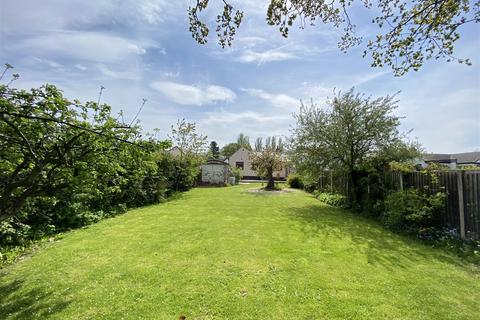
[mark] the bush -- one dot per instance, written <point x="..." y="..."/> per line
<point x="294" y="181"/>
<point x="413" y="211"/>
<point x="177" y="173"/>
<point x="237" y="173"/>
<point x="332" y="199"/>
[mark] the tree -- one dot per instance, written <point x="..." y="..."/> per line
<point x="409" y="31"/>
<point x="184" y="135"/>
<point x="244" y="142"/>
<point x="183" y="170"/>
<point x="45" y="139"/>
<point x="229" y="149"/>
<point x="259" y="144"/>
<point x="214" y="150"/>
<point x="268" y="160"/>
<point x="352" y="132"/>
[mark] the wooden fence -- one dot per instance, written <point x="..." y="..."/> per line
<point x="462" y="190"/>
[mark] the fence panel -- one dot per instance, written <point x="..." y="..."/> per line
<point x="471" y="198"/>
<point x="440" y="181"/>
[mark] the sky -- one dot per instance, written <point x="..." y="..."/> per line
<point x="141" y="49"/>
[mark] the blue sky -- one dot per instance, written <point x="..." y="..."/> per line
<point x="143" y="49"/>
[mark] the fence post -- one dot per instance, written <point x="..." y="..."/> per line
<point x="331" y="181"/>
<point x="461" y="209"/>
<point x="401" y="181"/>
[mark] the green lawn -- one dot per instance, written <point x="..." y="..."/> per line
<point x="224" y="253"/>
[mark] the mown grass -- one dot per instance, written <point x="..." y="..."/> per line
<point x="224" y="253"/>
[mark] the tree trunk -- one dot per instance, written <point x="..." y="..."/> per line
<point x="271" y="182"/>
<point x="352" y="189"/>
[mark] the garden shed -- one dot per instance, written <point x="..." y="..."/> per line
<point x="215" y="172"/>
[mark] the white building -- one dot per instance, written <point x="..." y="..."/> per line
<point x="175" y="151"/>
<point x="241" y="159"/>
<point x="215" y="172"/>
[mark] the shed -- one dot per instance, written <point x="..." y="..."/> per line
<point x="215" y="172"/>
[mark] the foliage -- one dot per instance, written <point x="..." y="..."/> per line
<point x="449" y="239"/>
<point x="355" y="135"/>
<point x="178" y="174"/>
<point x="243" y="141"/>
<point x="268" y="160"/>
<point x="229" y="149"/>
<point x="469" y="167"/>
<point x="184" y="136"/>
<point x="413" y="211"/>
<point x="258" y="144"/>
<point x="409" y="32"/>
<point x="237" y="173"/>
<point x="294" y="181"/>
<point x="214" y="150"/>
<point x="403" y="167"/>
<point x="64" y="164"/>
<point x="227" y="23"/>
<point x="332" y="199"/>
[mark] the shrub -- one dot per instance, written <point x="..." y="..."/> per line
<point x="237" y="173"/>
<point x="294" y="181"/>
<point x="178" y="173"/>
<point x="413" y="211"/>
<point x="332" y="199"/>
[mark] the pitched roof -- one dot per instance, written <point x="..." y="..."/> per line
<point x="465" y="157"/>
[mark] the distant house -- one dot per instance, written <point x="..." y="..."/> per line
<point x="452" y="160"/>
<point x="242" y="159"/>
<point x="175" y="151"/>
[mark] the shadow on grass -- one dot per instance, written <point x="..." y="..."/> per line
<point x="17" y="303"/>
<point x="262" y="192"/>
<point x="380" y="246"/>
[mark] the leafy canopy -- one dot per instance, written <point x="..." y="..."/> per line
<point x="353" y="133"/>
<point x="229" y="149"/>
<point x="268" y="160"/>
<point x="409" y="31"/>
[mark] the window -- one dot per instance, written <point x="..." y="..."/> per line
<point x="239" y="164"/>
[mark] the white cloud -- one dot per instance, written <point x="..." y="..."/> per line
<point x="80" y="67"/>
<point x="223" y="117"/>
<point x="452" y="123"/>
<point x="225" y="126"/>
<point x="193" y="95"/>
<point x="171" y="74"/>
<point x="153" y="11"/>
<point x="50" y="63"/>
<point x="276" y="100"/>
<point x="249" y="56"/>
<point x="106" y="71"/>
<point x="41" y="16"/>
<point x="367" y="77"/>
<point x="90" y="46"/>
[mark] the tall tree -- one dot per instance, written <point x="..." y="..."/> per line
<point x="229" y="149"/>
<point x="259" y="144"/>
<point x="268" y="160"/>
<point x="346" y="135"/>
<point x="184" y="135"/>
<point x="409" y="31"/>
<point x="244" y="141"/>
<point x="214" y="150"/>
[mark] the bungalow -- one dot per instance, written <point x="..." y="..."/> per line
<point x="175" y="151"/>
<point x="451" y="160"/>
<point x="241" y="159"/>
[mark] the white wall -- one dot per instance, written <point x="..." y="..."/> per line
<point x="215" y="173"/>
<point x="243" y="155"/>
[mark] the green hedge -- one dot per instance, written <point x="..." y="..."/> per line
<point x="332" y="199"/>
